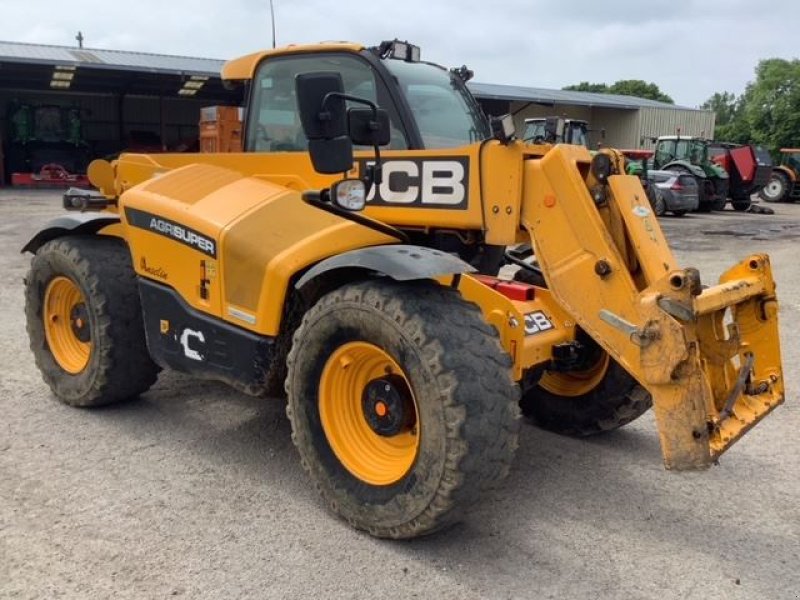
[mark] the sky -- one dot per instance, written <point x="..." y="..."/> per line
<point x="689" y="48"/>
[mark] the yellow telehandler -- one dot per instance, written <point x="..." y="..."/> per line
<point x="351" y="254"/>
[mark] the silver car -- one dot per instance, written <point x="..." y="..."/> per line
<point x="673" y="192"/>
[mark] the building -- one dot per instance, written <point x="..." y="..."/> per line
<point x="68" y="105"/>
<point x="627" y="121"/>
<point x="95" y="103"/>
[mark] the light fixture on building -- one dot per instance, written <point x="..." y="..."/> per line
<point x="192" y="85"/>
<point x="62" y="76"/>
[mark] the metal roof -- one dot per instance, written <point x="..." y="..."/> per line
<point x="124" y="60"/>
<point x="120" y="60"/>
<point x="492" y="91"/>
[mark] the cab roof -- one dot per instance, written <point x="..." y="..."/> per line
<point x="244" y="68"/>
<point x="683" y="137"/>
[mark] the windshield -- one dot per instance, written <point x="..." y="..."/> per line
<point x="577" y="134"/>
<point x="793" y="160"/>
<point x="446" y="114"/>
<point x="534" y="130"/>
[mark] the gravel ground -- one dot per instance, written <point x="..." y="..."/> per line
<point x="195" y="490"/>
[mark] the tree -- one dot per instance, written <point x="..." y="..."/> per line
<point x="640" y="89"/>
<point x="731" y="124"/>
<point x="771" y="104"/>
<point x="767" y="113"/>
<point x="585" y="86"/>
<point x="624" y="87"/>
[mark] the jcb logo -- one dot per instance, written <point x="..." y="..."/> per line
<point x="537" y="322"/>
<point x="422" y="183"/>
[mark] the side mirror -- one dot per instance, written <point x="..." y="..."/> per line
<point x="323" y="114"/>
<point x="554" y="129"/>
<point x="367" y="129"/>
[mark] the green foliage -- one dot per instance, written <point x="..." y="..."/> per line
<point x="624" y="87"/>
<point x="768" y="113"/>
<point x="731" y="126"/>
<point x="640" y="89"/>
<point x="585" y="86"/>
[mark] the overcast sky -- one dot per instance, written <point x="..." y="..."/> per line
<point x="691" y="49"/>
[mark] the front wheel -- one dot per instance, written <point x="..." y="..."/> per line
<point x="84" y="321"/>
<point x="601" y="397"/>
<point x="402" y="405"/>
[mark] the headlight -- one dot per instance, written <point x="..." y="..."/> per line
<point x="350" y="194"/>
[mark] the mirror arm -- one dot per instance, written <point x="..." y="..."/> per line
<point x="373" y="175"/>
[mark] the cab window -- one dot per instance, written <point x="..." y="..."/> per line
<point x="274" y="124"/>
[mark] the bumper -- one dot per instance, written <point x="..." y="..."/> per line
<point x="687" y="202"/>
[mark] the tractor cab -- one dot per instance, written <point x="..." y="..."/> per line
<point x="428" y="106"/>
<point x="671" y="148"/>
<point x="790" y="157"/>
<point x="575" y="132"/>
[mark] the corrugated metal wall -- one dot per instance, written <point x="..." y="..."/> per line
<point x="666" y="121"/>
<point x="623" y="127"/>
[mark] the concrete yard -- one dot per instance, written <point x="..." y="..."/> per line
<point x="196" y="491"/>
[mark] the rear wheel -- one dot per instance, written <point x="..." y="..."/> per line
<point x="659" y="204"/>
<point x="777" y="188"/>
<point x="741" y="205"/>
<point x="402" y="405"/>
<point x="719" y="204"/>
<point x="601" y="397"/>
<point x="84" y="321"/>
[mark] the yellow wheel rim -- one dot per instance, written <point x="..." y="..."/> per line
<point x="369" y="414"/>
<point x="575" y="383"/>
<point x="66" y="325"/>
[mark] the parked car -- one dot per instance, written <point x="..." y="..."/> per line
<point x="673" y="191"/>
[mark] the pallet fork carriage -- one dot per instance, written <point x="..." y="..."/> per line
<point x="403" y="365"/>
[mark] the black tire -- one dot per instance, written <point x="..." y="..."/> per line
<point x="659" y="204"/>
<point x="119" y="366"/>
<point x="275" y="379"/>
<point x="740" y="205"/>
<point x="679" y="213"/>
<point x="777" y="188"/>
<point x="614" y="402"/>
<point x="464" y="393"/>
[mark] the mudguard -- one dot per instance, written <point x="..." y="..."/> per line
<point x="685" y="164"/>
<point x="401" y="262"/>
<point x="77" y="223"/>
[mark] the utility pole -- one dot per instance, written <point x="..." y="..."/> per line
<point x="79" y="37"/>
<point x="272" y="16"/>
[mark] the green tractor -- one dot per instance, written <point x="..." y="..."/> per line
<point x="690" y="155"/>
